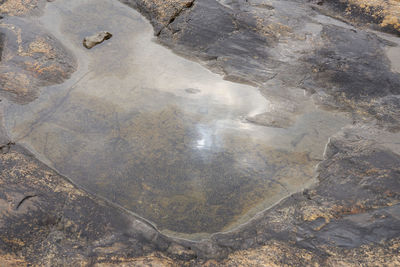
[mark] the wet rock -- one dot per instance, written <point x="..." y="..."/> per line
<point x="357" y="197"/>
<point x="309" y="222"/>
<point x="272" y="119"/>
<point x="263" y="178"/>
<point x="352" y="215"/>
<point x="98" y="38"/>
<point x="260" y="45"/>
<point x="192" y="90"/>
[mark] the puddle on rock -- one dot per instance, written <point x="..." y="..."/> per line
<point x="161" y="135"/>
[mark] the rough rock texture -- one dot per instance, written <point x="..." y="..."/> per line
<point x="44" y="216"/>
<point x="377" y="14"/>
<point x="31" y="59"/>
<point x="352" y="68"/>
<point x="98" y="38"/>
<point x="356" y="201"/>
<point x="20" y="7"/>
<point x="351" y="217"/>
<point x="160" y="13"/>
<point x="268" y="46"/>
<point x="275" y="46"/>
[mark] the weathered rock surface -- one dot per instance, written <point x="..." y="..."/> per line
<point x="44" y="214"/>
<point x="352" y="68"/>
<point x="289" y="44"/>
<point x="19" y="7"/>
<point x="30" y="59"/>
<point x="160" y="13"/>
<point x="98" y="38"/>
<point x="351" y="217"/>
<point x="376" y="14"/>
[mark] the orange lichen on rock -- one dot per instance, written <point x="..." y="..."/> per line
<point x="167" y="10"/>
<point x="275" y="253"/>
<point x="17" y="7"/>
<point x="11" y="261"/>
<point x="153" y="259"/>
<point x="39" y="45"/>
<point x="16" y="83"/>
<point x="387" y="11"/>
<point x="275" y="30"/>
<point x="31" y="59"/>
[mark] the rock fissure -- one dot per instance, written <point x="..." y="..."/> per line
<point x="176" y="15"/>
<point x="23" y="200"/>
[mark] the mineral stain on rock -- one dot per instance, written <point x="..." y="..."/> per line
<point x="131" y="131"/>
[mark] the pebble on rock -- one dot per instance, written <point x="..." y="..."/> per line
<point x="96" y="39"/>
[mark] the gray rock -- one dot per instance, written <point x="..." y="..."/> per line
<point x="1" y="44"/>
<point x="54" y="62"/>
<point x="355" y="203"/>
<point x="96" y="39"/>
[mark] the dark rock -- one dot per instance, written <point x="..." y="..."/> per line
<point x="353" y="65"/>
<point x="350" y="71"/>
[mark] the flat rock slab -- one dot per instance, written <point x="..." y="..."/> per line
<point x="31" y="58"/>
<point x="350" y="218"/>
<point x="131" y="130"/>
<point x="98" y="38"/>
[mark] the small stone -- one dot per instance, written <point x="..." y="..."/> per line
<point x="96" y="39"/>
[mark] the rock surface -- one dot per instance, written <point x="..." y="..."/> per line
<point x="351" y="217"/>
<point x="31" y="59"/>
<point x="1" y="44"/>
<point x="20" y="7"/>
<point x="98" y="38"/>
<point x="376" y="14"/>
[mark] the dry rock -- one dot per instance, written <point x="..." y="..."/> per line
<point x="96" y="39"/>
